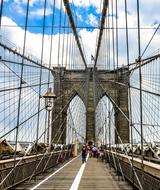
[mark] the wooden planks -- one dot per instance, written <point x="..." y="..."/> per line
<point x="97" y="177"/>
<point x="64" y="178"/>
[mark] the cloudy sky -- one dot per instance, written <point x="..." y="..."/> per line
<point x="87" y="15"/>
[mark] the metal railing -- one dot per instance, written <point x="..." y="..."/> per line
<point x="27" y="167"/>
<point x="148" y="180"/>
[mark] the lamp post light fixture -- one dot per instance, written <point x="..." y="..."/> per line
<point x="49" y="103"/>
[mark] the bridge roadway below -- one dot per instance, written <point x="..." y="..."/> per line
<point x="96" y="176"/>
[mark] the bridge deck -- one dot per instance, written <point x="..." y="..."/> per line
<point x="96" y="176"/>
<point x="63" y="179"/>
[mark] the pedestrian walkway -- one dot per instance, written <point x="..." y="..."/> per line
<point x="63" y="179"/>
<point x="74" y="175"/>
<point x="97" y="176"/>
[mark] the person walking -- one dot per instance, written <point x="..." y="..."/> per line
<point x="94" y="150"/>
<point x="89" y="151"/>
<point x="84" y="154"/>
<point x="98" y="153"/>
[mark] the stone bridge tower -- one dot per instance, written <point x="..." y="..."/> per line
<point x="85" y="83"/>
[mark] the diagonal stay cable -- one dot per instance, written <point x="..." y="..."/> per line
<point x="72" y="90"/>
<point x="23" y="56"/>
<point x="126" y="153"/>
<point x="61" y="125"/>
<point x="62" y="133"/>
<point x="28" y="85"/>
<point x="123" y="84"/>
<point x="150" y="40"/>
<point x="109" y="137"/>
<point x="33" y="144"/>
<point x="144" y="62"/>
<point x="46" y="152"/>
<point x="114" y="103"/>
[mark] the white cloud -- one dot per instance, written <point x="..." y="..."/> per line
<point x="40" y="12"/>
<point x="36" y="7"/>
<point x="18" y="9"/>
<point x="88" y="3"/>
<point x="79" y="17"/>
<point x="31" y="2"/>
<point x="34" y="43"/>
<point x="89" y="42"/>
<point x="38" y="2"/>
<point x="92" y="20"/>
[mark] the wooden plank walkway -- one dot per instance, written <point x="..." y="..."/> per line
<point x="64" y="178"/>
<point x="96" y="176"/>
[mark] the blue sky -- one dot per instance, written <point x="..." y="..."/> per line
<point x="17" y="12"/>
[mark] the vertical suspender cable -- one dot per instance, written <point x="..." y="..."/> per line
<point x="140" y="88"/>
<point x="73" y="54"/>
<point x="59" y="38"/>
<point x="20" y="88"/>
<point x="67" y="45"/>
<point x="116" y="77"/>
<point x="64" y="31"/>
<point x="40" y="79"/>
<point x="109" y="124"/>
<point x="113" y="42"/>
<point x="116" y="16"/>
<point x="22" y="67"/>
<point x="109" y="49"/>
<point x="51" y="42"/>
<point x="117" y="43"/>
<point x="71" y="57"/>
<point x="59" y="65"/>
<point x="106" y="49"/>
<point x="70" y="52"/>
<point x="113" y="53"/>
<point x="1" y="10"/>
<point x="50" y="56"/>
<point x="68" y="49"/>
<point x="129" y="89"/>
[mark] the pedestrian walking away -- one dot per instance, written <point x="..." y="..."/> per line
<point x="84" y="154"/>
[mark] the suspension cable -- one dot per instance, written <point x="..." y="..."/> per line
<point x="129" y="89"/>
<point x="128" y="119"/>
<point x="104" y="12"/>
<point x="68" y="10"/>
<point x="34" y="143"/>
<point x="140" y="88"/>
<point x="1" y="13"/>
<point x="60" y="127"/>
<point x="20" y="89"/>
<point x="150" y="40"/>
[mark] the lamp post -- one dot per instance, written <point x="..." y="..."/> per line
<point x="49" y="102"/>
